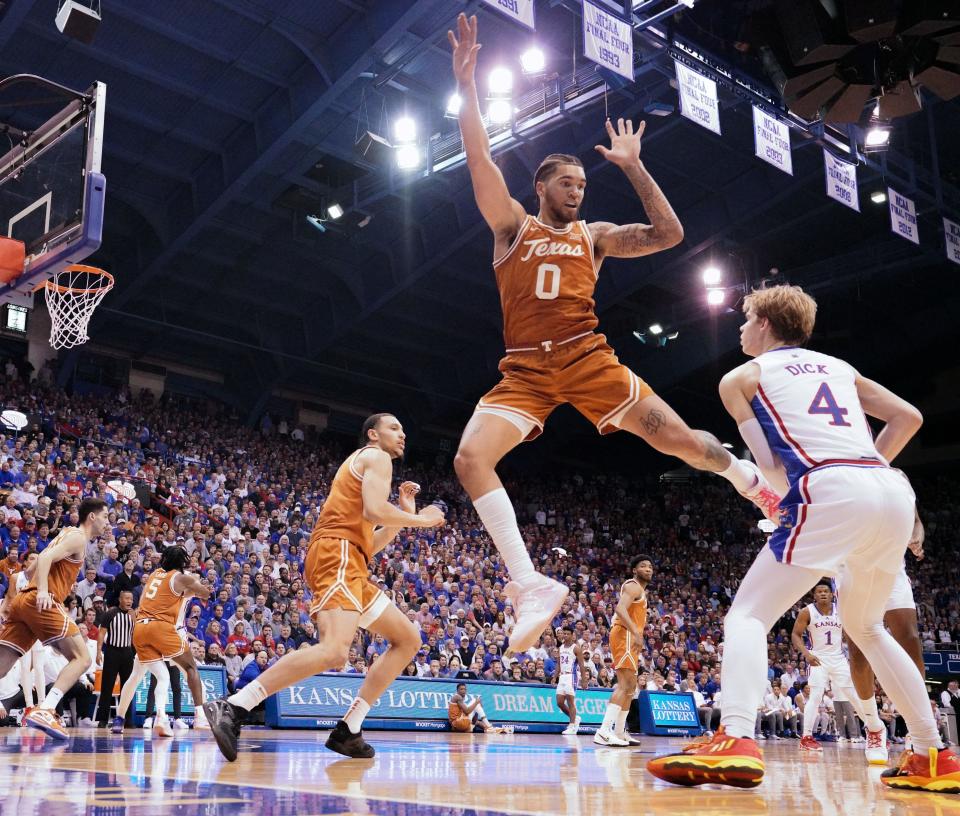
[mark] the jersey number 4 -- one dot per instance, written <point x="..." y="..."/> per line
<point x="825" y="403"/>
<point x="543" y="271"/>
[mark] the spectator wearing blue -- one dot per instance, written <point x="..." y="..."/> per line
<point x="110" y="567"/>
<point x="7" y="477"/>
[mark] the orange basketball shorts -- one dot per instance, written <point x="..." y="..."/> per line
<point x="156" y="640"/>
<point x="26" y="624"/>
<point x="337" y="575"/>
<point x="584" y="372"/>
<point x="625" y="648"/>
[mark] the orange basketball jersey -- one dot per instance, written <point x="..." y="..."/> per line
<point x="546" y="281"/>
<point x="62" y="576"/>
<point x="159" y="601"/>
<point x="638" y="610"/>
<point x="342" y="513"/>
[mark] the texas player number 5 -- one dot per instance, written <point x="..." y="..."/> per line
<point x="543" y="271"/>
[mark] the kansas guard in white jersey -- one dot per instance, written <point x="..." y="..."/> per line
<point x="570" y="667"/>
<point x="845" y="513"/>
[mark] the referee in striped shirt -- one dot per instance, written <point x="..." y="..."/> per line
<point x="115" y="650"/>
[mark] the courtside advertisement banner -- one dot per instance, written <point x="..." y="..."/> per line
<point x="903" y="216"/>
<point x="841" y="181"/>
<point x="214" y="679"/>
<point x="698" y="98"/>
<point x="772" y="141"/>
<point x="607" y="40"/>
<point x="519" y="10"/>
<point x="668" y="713"/>
<point x="422" y="703"/>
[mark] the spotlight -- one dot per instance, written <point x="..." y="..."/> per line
<point x="533" y="61"/>
<point x="727" y="445"/>
<point x="404" y="130"/>
<point x="656" y="328"/>
<point x="878" y="197"/>
<point x="640" y="336"/>
<point x="500" y="111"/>
<point x="316" y="222"/>
<point x="715" y="296"/>
<point x="658" y="109"/>
<point x="877" y="138"/>
<point x="408" y="157"/>
<point x="500" y="81"/>
<point x="334" y="211"/>
<point x="453" y="106"/>
<point x="712" y="275"/>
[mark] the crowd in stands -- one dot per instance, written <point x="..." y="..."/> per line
<point x="243" y="500"/>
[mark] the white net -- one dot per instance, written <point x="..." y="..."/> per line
<point x="72" y="295"/>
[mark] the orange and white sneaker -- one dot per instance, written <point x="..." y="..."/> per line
<point x="937" y="772"/>
<point x="535" y="603"/>
<point x="47" y="721"/>
<point x="876" y="750"/>
<point x="808" y="743"/>
<point x="725" y="760"/>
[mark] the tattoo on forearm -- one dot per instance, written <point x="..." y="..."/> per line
<point x="662" y="217"/>
<point x="653" y="422"/>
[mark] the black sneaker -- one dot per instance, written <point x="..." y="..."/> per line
<point x="225" y="720"/>
<point x="345" y="742"/>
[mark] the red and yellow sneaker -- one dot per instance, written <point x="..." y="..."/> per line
<point x="725" y="760"/>
<point x="48" y="722"/>
<point x="808" y="743"/>
<point x="937" y="772"/>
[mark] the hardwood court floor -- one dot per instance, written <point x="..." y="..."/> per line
<point x="417" y="774"/>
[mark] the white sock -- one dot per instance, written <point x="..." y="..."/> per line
<point x="497" y="514"/>
<point x="868" y="713"/>
<point x="740" y="474"/>
<point x="621" y="728"/>
<point x="610" y="717"/>
<point x="52" y="699"/>
<point x="249" y="697"/>
<point x="355" y="714"/>
<point x="160" y="671"/>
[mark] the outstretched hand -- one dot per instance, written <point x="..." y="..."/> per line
<point x="464" y="49"/>
<point x="624" y="142"/>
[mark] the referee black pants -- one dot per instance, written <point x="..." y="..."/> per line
<point x="117" y="662"/>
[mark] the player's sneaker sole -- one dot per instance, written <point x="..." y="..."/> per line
<point x="695" y="769"/>
<point x="225" y="723"/>
<point x="48" y="723"/>
<point x="531" y="624"/>
<point x="343" y="741"/>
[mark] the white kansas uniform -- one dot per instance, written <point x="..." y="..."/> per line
<point x="902" y="595"/>
<point x="569" y="669"/>
<point x="844" y="503"/>
<point x="826" y="642"/>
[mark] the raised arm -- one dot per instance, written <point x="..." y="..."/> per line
<point x="502" y="213"/>
<point x="190" y="585"/>
<point x="901" y="418"/>
<point x="633" y="240"/>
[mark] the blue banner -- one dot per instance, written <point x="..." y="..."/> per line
<point x="213" y="678"/>
<point x="942" y="664"/>
<point x="422" y="703"/>
<point x="664" y="712"/>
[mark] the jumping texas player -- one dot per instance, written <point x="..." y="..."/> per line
<point x="546" y="268"/>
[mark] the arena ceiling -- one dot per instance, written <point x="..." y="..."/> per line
<point x="228" y="121"/>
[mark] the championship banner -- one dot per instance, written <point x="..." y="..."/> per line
<point x="213" y="678"/>
<point x="841" y="181"/>
<point x="421" y="703"/>
<point x="951" y="232"/>
<point x="607" y="40"/>
<point x="772" y="141"/>
<point x="519" y="10"/>
<point x="698" y="98"/>
<point x="903" y="216"/>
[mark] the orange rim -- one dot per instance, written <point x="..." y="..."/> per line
<point x="75" y="290"/>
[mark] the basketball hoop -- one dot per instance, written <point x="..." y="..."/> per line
<point x="72" y="295"/>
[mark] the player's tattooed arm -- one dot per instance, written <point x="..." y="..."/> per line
<point x="633" y="240"/>
<point x="653" y="421"/>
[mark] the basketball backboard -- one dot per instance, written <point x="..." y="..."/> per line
<point x="51" y="188"/>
